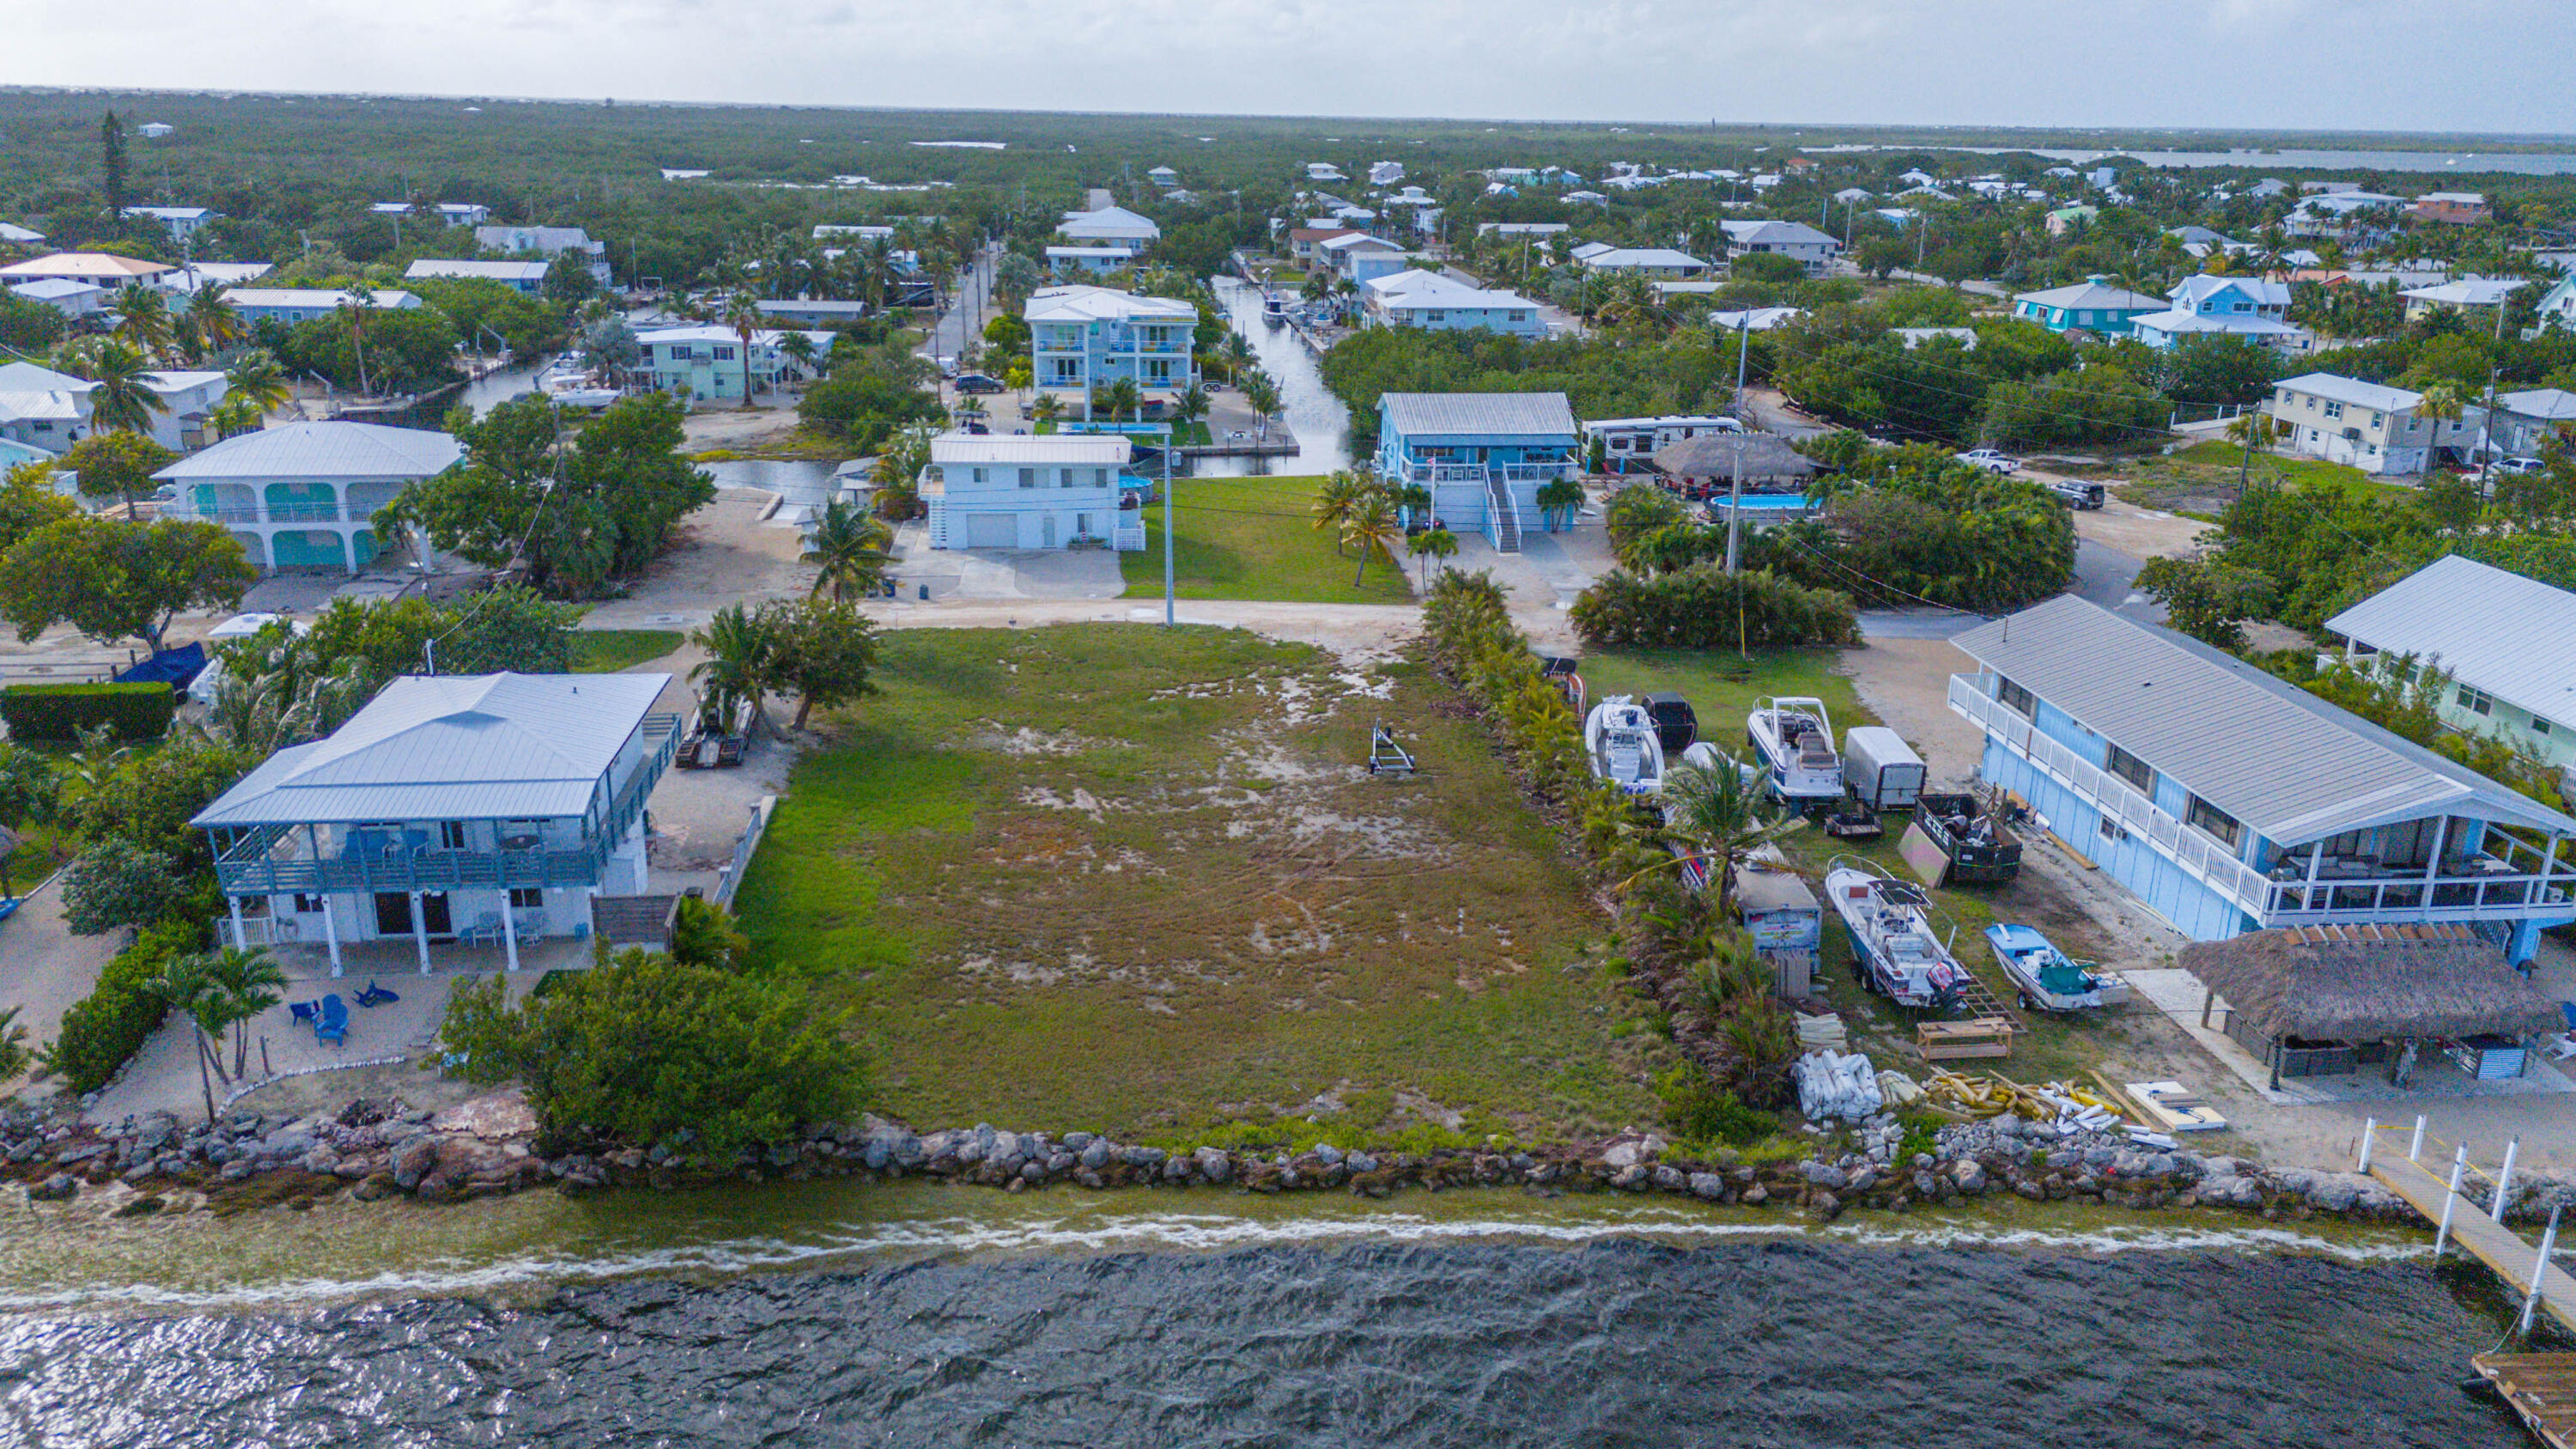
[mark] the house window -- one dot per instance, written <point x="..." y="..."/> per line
<point x="2333" y="409"/>
<point x="2015" y="697"/>
<point x="2132" y="769"/>
<point x="2205" y="816"/>
<point x="308" y="905"/>
<point x="526" y="898"/>
<point x="983" y="475"/>
<point x="724" y="354"/>
<point x="2476" y="701"/>
<point x="451" y="835"/>
<point x="1028" y="477"/>
<point x="2539" y="726"/>
<point x="1099" y="477"/>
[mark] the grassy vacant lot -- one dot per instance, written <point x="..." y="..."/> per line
<point x="1721" y="691"/>
<point x="2202" y="477"/>
<point x="606" y="651"/>
<point x="1108" y="877"/>
<point x="1254" y="538"/>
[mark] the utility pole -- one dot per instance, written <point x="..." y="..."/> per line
<point x="1735" y="494"/>
<point x="2486" y="419"/>
<point x="1168" y="441"/>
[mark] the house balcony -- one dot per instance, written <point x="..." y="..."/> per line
<point x="2511" y="880"/>
<point x="280" y="859"/>
<point x="1442" y="471"/>
<point x="298" y="514"/>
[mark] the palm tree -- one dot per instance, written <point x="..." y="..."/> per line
<point x="1373" y="525"/>
<point x="212" y="323"/>
<point x="14" y="1055"/>
<point x="799" y="348"/>
<point x="1429" y="544"/>
<point x="256" y="378"/>
<point x="354" y="305"/>
<point x="1261" y="393"/>
<point x="1335" y="502"/>
<point x="851" y="545"/>
<point x="1189" y="407"/>
<point x="2440" y="404"/>
<point x="1123" y="398"/>
<point x="1237" y="352"/>
<point x="182" y="986"/>
<point x="232" y="417"/>
<point x="122" y="398"/>
<point x="1047" y="408"/>
<point x="742" y="314"/>
<point x="143" y="319"/>
<point x="1721" y="820"/>
<point x="741" y="664"/>
<point x="246" y="983"/>
<point x="1557" y="501"/>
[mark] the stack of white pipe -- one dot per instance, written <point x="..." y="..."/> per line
<point x="1837" y="1084"/>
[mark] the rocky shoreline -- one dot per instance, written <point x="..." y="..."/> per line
<point x="488" y="1147"/>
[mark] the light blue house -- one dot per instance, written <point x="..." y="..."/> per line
<point x="2092" y="305"/>
<point x="1083" y="340"/>
<point x="2248" y="309"/>
<point x="2229" y="801"/>
<point x="1484" y="455"/>
<point x="1429" y="300"/>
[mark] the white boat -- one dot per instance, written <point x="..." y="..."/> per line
<point x="1794" y="739"/>
<point x="1895" y="951"/>
<point x="1620" y="737"/>
<point x="593" y="398"/>
<point x="2048" y="977"/>
<point x="1274" y="309"/>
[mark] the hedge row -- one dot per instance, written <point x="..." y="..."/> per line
<point x="104" y="1029"/>
<point x="1704" y="607"/>
<point x="61" y="711"/>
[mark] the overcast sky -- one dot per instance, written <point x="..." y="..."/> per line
<point x="2451" y="65"/>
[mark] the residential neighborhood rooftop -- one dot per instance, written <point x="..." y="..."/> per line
<point x="1483" y="414"/>
<point x="321" y="450"/>
<point x="2507" y="635"/>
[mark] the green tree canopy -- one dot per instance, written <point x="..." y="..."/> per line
<point x="116" y="581"/>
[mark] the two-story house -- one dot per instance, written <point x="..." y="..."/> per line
<point x="548" y="242"/>
<point x="182" y="222"/>
<point x="305" y="304"/>
<point x="2248" y="309"/>
<point x="104" y="269"/>
<point x="305" y="495"/>
<point x="2557" y="306"/>
<point x="1083" y="340"/>
<point x="1429" y="300"/>
<point x="1110" y="226"/>
<point x="1360" y="257"/>
<point x="2092" y="305"/>
<point x="1654" y="263"/>
<point x="2451" y="208"/>
<point x="1484" y="455"/>
<point x="450" y="213"/>
<point x="1055" y="491"/>
<point x="1812" y="249"/>
<point x="2508" y="643"/>
<point x="2464" y="296"/>
<point x="50" y="410"/>
<point x="707" y="363"/>
<point x="487" y="808"/>
<point x="2364" y="425"/>
<point x="2229" y="800"/>
<point x="2523" y="423"/>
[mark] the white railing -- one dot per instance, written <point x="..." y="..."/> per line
<point x="2201" y="855"/>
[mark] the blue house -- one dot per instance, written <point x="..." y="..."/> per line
<point x="2092" y="305"/>
<point x="1484" y="455"/>
<point x="2229" y="801"/>
<point x="2248" y="309"/>
<point x="1084" y="340"/>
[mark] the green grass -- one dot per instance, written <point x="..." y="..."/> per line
<point x="1721" y="692"/>
<point x="1096" y="876"/>
<point x="2208" y="472"/>
<point x="42" y="849"/>
<point x="1254" y="538"/>
<point x="607" y="651"/>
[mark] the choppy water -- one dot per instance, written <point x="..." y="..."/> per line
<point x="829" y="1315"/>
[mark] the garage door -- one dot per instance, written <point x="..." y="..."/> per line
<point x="992" y="530"/>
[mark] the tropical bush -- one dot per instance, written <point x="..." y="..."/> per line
<point x="1913" y="525"/>
<point x="1704" y="607"/>
<point x="105" y="1028"/>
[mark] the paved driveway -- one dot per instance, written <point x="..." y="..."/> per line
<point x="44" y="968"/>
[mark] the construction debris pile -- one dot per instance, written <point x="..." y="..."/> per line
<point x="2061" y="1107"/>
<point x="1836" y="1084"/>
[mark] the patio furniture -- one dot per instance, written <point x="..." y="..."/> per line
<point x="375" y="995"/>
<point x="333" y="1026"/>
<point x="303" y="1013"/>
<point x="485" y="930"/>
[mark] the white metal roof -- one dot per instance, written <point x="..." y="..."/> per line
<point x="2096" y="296"/>
<point x="2350" y="390"/>
<point x="389" y="300"/>
<point x="458" y="747"/>
<point x="2510" y="636"/>
<point x="2554" y="404"/>
<point x="2276" y="757"/>
<point x="1071" y="450"/>
<point x="1775" y="233"/>
<point x="52" y="288"/>
<point x="477" y="271"/>
<point x="1108" y="221"/>
<point x="321" y="450"/>
<point x="28" y="377"/>
<point x="89" y="266"/>
<point x="2469" y="291"/>
<point x="1541" y="415"/>
<point x="1104" y="304"/>
<point x="2236" y="326"/>
<point x="1622" y="258"/>
<point x="2191" y="291"/>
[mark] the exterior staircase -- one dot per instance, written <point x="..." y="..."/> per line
<point x="1503" y="517"/>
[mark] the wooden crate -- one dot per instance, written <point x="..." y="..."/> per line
<point x="1945" y="1041"/>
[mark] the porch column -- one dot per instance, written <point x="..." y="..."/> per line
<point x="509" y="930"/>
<point x="2316" y="858"/>
<point x="331" y="933"/>
<point x="420" y="931"/>
<point x="240" y="942"/>
<point x="322" y="886"/>
<point x="2433" y="868"/>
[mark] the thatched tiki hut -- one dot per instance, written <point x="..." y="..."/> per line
<point x="2314" y="1000"/>
<point x="1770" y="465"/>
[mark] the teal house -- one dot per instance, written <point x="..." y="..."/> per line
<point x="1483" y="455"/>
<point x="2092" y="305"/>
<point x="304" y="496"/>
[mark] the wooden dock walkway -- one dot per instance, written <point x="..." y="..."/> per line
<point x="2541" y="1387"/>
<point x="2491" y="1243"/>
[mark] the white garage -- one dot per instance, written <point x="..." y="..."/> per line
<point x="1028" y="492"/>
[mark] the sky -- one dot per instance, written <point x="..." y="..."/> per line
<point x="2422" y="65"/>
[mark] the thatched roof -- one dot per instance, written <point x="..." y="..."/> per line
<point x="1766" y="455"/>
<point x="2370" y="983"/>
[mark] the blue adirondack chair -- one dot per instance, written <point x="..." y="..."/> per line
<point x="334" y="1025"/>
<point x="304" y="1013"/>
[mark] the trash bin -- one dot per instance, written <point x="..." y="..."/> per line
<point x="925" y="593"/>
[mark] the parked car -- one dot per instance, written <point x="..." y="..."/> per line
<point x="977" y="382"/>
<point x="2519" y="467"/>
<point x="1990" y="460"/>
<point x="2074" y="493"/>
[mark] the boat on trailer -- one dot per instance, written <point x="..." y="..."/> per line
<point x="1894" y="948"/>
<point x="1620" y="737"/>
<point x="1794" y="738"/>
<point x="2049" y="978"/>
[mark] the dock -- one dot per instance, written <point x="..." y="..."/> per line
<point x="2506" y="1253"/>
<point x="2541" y="1387"/>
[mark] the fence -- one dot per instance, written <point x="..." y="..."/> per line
<point x="731" y="880"/>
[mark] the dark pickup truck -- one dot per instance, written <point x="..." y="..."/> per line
<point x="1982" y="850"/>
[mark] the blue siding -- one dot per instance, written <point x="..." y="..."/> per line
<point x="2191" y="906"/>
